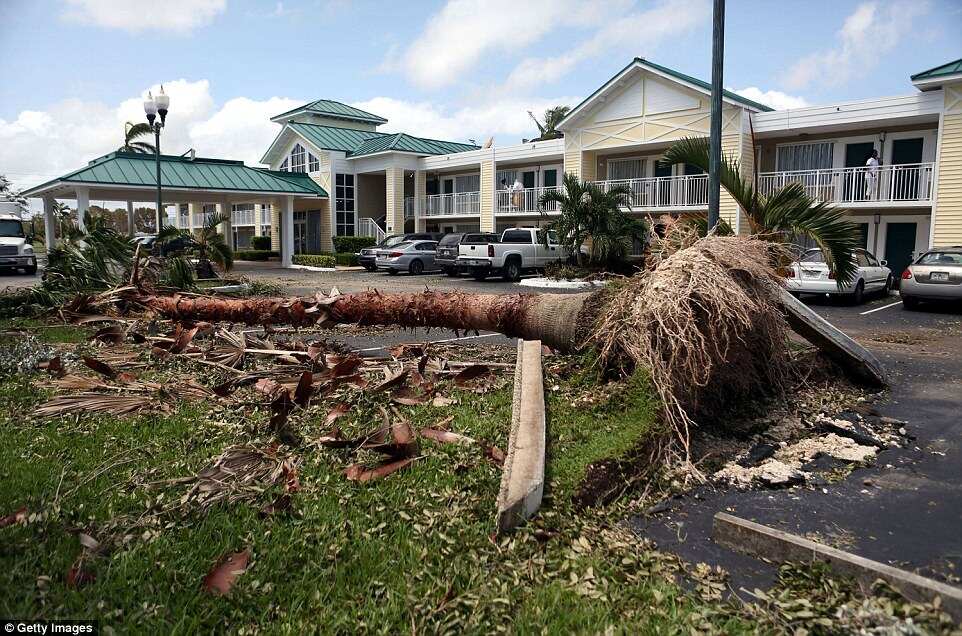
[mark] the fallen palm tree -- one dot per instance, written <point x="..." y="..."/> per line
<point x="708" y="324"/>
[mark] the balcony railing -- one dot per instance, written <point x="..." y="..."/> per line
<point x="242" y="217"/>
<point x="454" y="204"/>
<point x="894" y="183"/>
<point x="684" y="191"/>
<point x="524" y="201"/>
<point x="367" y="227"/>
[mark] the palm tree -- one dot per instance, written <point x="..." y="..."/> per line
<point x="552" y="117"/>
<point x="782" y="215"/>
<point x="212" y="246"/>
<point x="133" y="132"/>
<point x="585" y="211"/>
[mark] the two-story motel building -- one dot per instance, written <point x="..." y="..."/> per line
<point x="331" y="172"/>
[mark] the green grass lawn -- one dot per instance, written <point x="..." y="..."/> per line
<point x="413" y="552"/>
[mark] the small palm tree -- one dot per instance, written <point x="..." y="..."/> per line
<point x="782" y="215"/>
<point x="132" y="133"/>
<point x="212" y="247"/>
<point x="552" y="117"/>
<point x="587" y="211"/>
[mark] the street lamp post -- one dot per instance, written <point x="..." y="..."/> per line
<point x="154" y="106"/>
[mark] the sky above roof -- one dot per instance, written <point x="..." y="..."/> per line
<point x="75" y="70"/>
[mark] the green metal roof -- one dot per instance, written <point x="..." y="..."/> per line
<point x="676" y="74"/>
<point x="949" y="68"/>
<point x="300" y="179"/>
<point x="337" y="110"/>
<point x="402" y="142"/>
<point x="357" y="143"/>
<point x="135" y="169"/>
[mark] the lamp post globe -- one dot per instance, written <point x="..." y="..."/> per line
<point x="154" y="106"/>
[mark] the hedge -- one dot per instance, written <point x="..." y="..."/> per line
<point x="345" y="244"/>
<point x="346" y="258"/>
<point x="315" y="260"/>
<point x="261" y="242"/>
<point x="255" y="255"/>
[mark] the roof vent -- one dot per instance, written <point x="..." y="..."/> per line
<point x="190" y="154"/>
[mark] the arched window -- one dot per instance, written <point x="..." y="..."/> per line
<point x="298" y="159"/>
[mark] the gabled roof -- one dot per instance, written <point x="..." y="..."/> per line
<point x="402" y="142"/>
<point x="658" y="69"/>
<point x="135" y="169"/>
<point x="334" y="110"/>
<point x="935" y="77"/>
<point x="358" y="143"/>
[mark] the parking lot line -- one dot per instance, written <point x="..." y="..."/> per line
<point x="872" y="311"/>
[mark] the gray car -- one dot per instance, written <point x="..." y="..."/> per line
<point x="410" y="256"/>
<point x="935" y="275"/>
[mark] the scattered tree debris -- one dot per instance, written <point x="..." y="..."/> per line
<point x="223" y="575"/>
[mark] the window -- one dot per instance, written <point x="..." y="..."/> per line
<point x="516" y="236"/>
<point x="861" y="259"/>
<point x="813" y="256"/>
<point x="313" y="165"/>
<point x="941" y="258"/>
<point x="625" y="169"/>
<point x="550" y="178"/>
<point x="506" y="178"/>
<point x="344" y="204"/>
<point x="284" y="166"/>
<point x="298" y="159"/>
<point x="814" y="156"/>
<point x="467" y="183"/>
<point x="426" y="247"/>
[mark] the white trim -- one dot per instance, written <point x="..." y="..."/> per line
<point x="867" y="112"/>
<point x="935" y="181"/>
<point x="936" y="82"/>
<point x="71" y="186"/>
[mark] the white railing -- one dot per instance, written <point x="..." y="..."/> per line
<point x="409" y="207"/>
<point x="265" y="216"/>
<point x="454" y="204"/>
<point x="367" y="227"/>
<point x="524" y="201"/>
<point x="684" y="191"/>
<point x="200" y="218"/>
<point x="242" y="217"/>
<point x="900" y="182"/>
<point x="184" y="220"/>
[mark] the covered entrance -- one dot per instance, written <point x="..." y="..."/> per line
<point x="121" y="176"/>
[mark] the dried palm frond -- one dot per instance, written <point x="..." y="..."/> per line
<point x="114" y="404"/>
<point x="239" y="473"/>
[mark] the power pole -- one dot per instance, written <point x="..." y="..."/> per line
<point x="714" y="154"/>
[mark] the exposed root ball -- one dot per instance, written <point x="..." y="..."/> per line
<point x="705" y="326"/>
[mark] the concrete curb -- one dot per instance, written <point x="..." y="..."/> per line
<point x="550" y="283"/>
<point x="311" y="268"/>
<point x="761" y="541"/>
<point x="522" y="482"/>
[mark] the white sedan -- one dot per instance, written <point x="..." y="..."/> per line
<point x="810" y="275"/>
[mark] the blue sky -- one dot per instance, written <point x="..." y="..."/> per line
<point x="73" y="70"/>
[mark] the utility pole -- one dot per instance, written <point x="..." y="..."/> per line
<point x="714" y="154"/>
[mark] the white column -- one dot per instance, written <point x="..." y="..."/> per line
<point x="49" y="223"/>
<point x="83" y="204"/>
<point x="227" y="227"/>
<point x="131" y="221"/>
<point x="418" y="195"/>
<point x="287" y="231"/>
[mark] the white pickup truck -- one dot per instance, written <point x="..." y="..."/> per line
<point x="520" y="250"/>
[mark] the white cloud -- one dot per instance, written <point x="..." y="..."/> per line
<point x="506" y="120"/>
<point x="465" y="32"/>
<point x="40" y="145"/>
<point x="178" y="16"/>
<point x="870" y="31"/>
<point x="641" y="32"/>
<point x="776" y="99"/>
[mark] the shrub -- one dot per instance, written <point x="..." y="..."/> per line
<point x="261" y="242"/>
<point x="315" y="260"/>
<point x="346" y="258"/>
<point x="344" y="244"/>
<point x="255" y="255"/>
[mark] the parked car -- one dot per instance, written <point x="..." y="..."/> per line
<point x="447" y="258"/>
<point x="935" y="275"/>
<point x="15" y="248"/>
<point x="367" y="257"/>
<point x="415" y="257"/>
<point x="810" y="275"/>
<point x="518" y="251"/>
<point x="148" y="242"/>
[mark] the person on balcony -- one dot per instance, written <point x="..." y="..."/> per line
<point x="517" y="194"/>
<point x="871" y="175"/>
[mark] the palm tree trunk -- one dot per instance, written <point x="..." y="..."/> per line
<point x="554" y="319"/>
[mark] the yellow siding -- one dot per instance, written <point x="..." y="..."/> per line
<point x="421" y="187"/>
<point x="589" y="166"/>
<point x="727" y="208"/>
<point x="487" y="195"/>
<point x="948" y="206"/>
<point x="395" y="199"/>
<point x="326" y="230"/>
<point x="275" y="227"/>
<point x="572" y="158"/>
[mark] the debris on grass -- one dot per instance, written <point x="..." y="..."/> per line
<point x="223" y="575"/>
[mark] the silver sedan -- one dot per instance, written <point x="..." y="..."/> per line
<point x="810" y="275"/>
<point x="410" y="256"/>
<point x="935" y="275"/>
